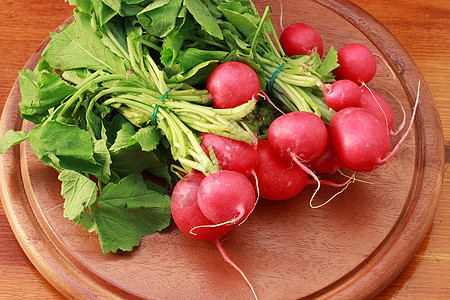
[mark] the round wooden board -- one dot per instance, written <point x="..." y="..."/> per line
<point x="351" y="248"/>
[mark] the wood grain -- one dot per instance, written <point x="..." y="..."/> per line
<point x="23" y="26"/>
<point x="427" y="276"/>
<point x="423" y="29"/>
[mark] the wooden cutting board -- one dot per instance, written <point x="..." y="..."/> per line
<point x="351" y="248"/>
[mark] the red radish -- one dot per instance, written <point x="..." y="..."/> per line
<point x="226" y="197"/>
<point x="373" y="102"/>
<point x="186" y="212"/>
<point x="190" y="220"/>
<point x="300" y="39"/>
<point x="231" y="84"/>
<point x="278" y="179"/>
<point x="359" y="138"/>
<point x="232" y="155"/>
<point x="300" y="133"/>
<point x="299" y="137"/>
<point x="341" y="94"/>
<point x="327" y="162"/>
<point x="356" y="63"/>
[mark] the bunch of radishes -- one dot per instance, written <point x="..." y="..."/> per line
<point x="298" y="146"/>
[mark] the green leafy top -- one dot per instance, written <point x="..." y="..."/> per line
<point x="119" y="91"/>
<point x="83" y="48"/>
<point x="124" y="212"/>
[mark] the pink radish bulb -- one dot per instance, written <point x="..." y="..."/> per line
<point x="187" y="214"/>
<point x="226" y="196"/>
<point x="342" y="94"/>
<point x="300" y="39"/>
<point x="373" y="102"/>
<point x="232" y="155"/>
<point x="191" y="221"/>
<point x="360" y="139"/>
<point x="356" y="63"/>
<point x="231" y="84"/>
<point x="278" y="179"/>
<point x="298" y="133"/>
<point x="327" y="162"/>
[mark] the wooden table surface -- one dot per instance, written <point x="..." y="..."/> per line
<point x="423" y="28"/>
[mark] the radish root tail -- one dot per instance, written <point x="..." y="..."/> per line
<point x="400" y="142"/>
<point x="228" y="260"/>
<point x="281" y="15"/>
<point x="354" y="176"/>
<point x="402" y="125"/>
<point x="386" y="64"/>
<point x="229" y="222"/>
<point x="350" y="179"/>
<point x="379" y="105"/>
<point x="266" y="97"/>
<point x="309" y="172"/>
<point x="345" y="185"/>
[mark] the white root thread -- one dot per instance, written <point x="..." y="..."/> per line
<point x="309" y="172"/>
<point x="379" y="105"/>
<point x="228" y="260"/>
<point x="229" y="222"/>
<point x="354" y="176"/>
<point x="281" y="15"/>
<point x="400" y="142"/>
<point x="402" y="125"/>
<point x="387" y="65"/>
<point x="346" y="184"/>
<point x="209" y="226"/>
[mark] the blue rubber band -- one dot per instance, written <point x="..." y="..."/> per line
<point x="155" y="109"/>
<point x="273" y="77"/>
<point x="165" y="94"/>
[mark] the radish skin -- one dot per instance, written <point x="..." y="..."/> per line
<point x="327" y="162"/>
<point x="301" y="133"/>
<point x="342" y="94"/>
<point x="356" y="63"/>
<point x="232" y="155"/>
<point x="190" y="220"/>
<point x="226" y="197"/>
<point x="299" y="137"/>
<point x="231" y="84"/>
<point x="301" y="39"/>
<point x="373" y="102"/>
<point x="186" y="212"/>
<point x="360" y="139"/>
<point x="278" y="179"/>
